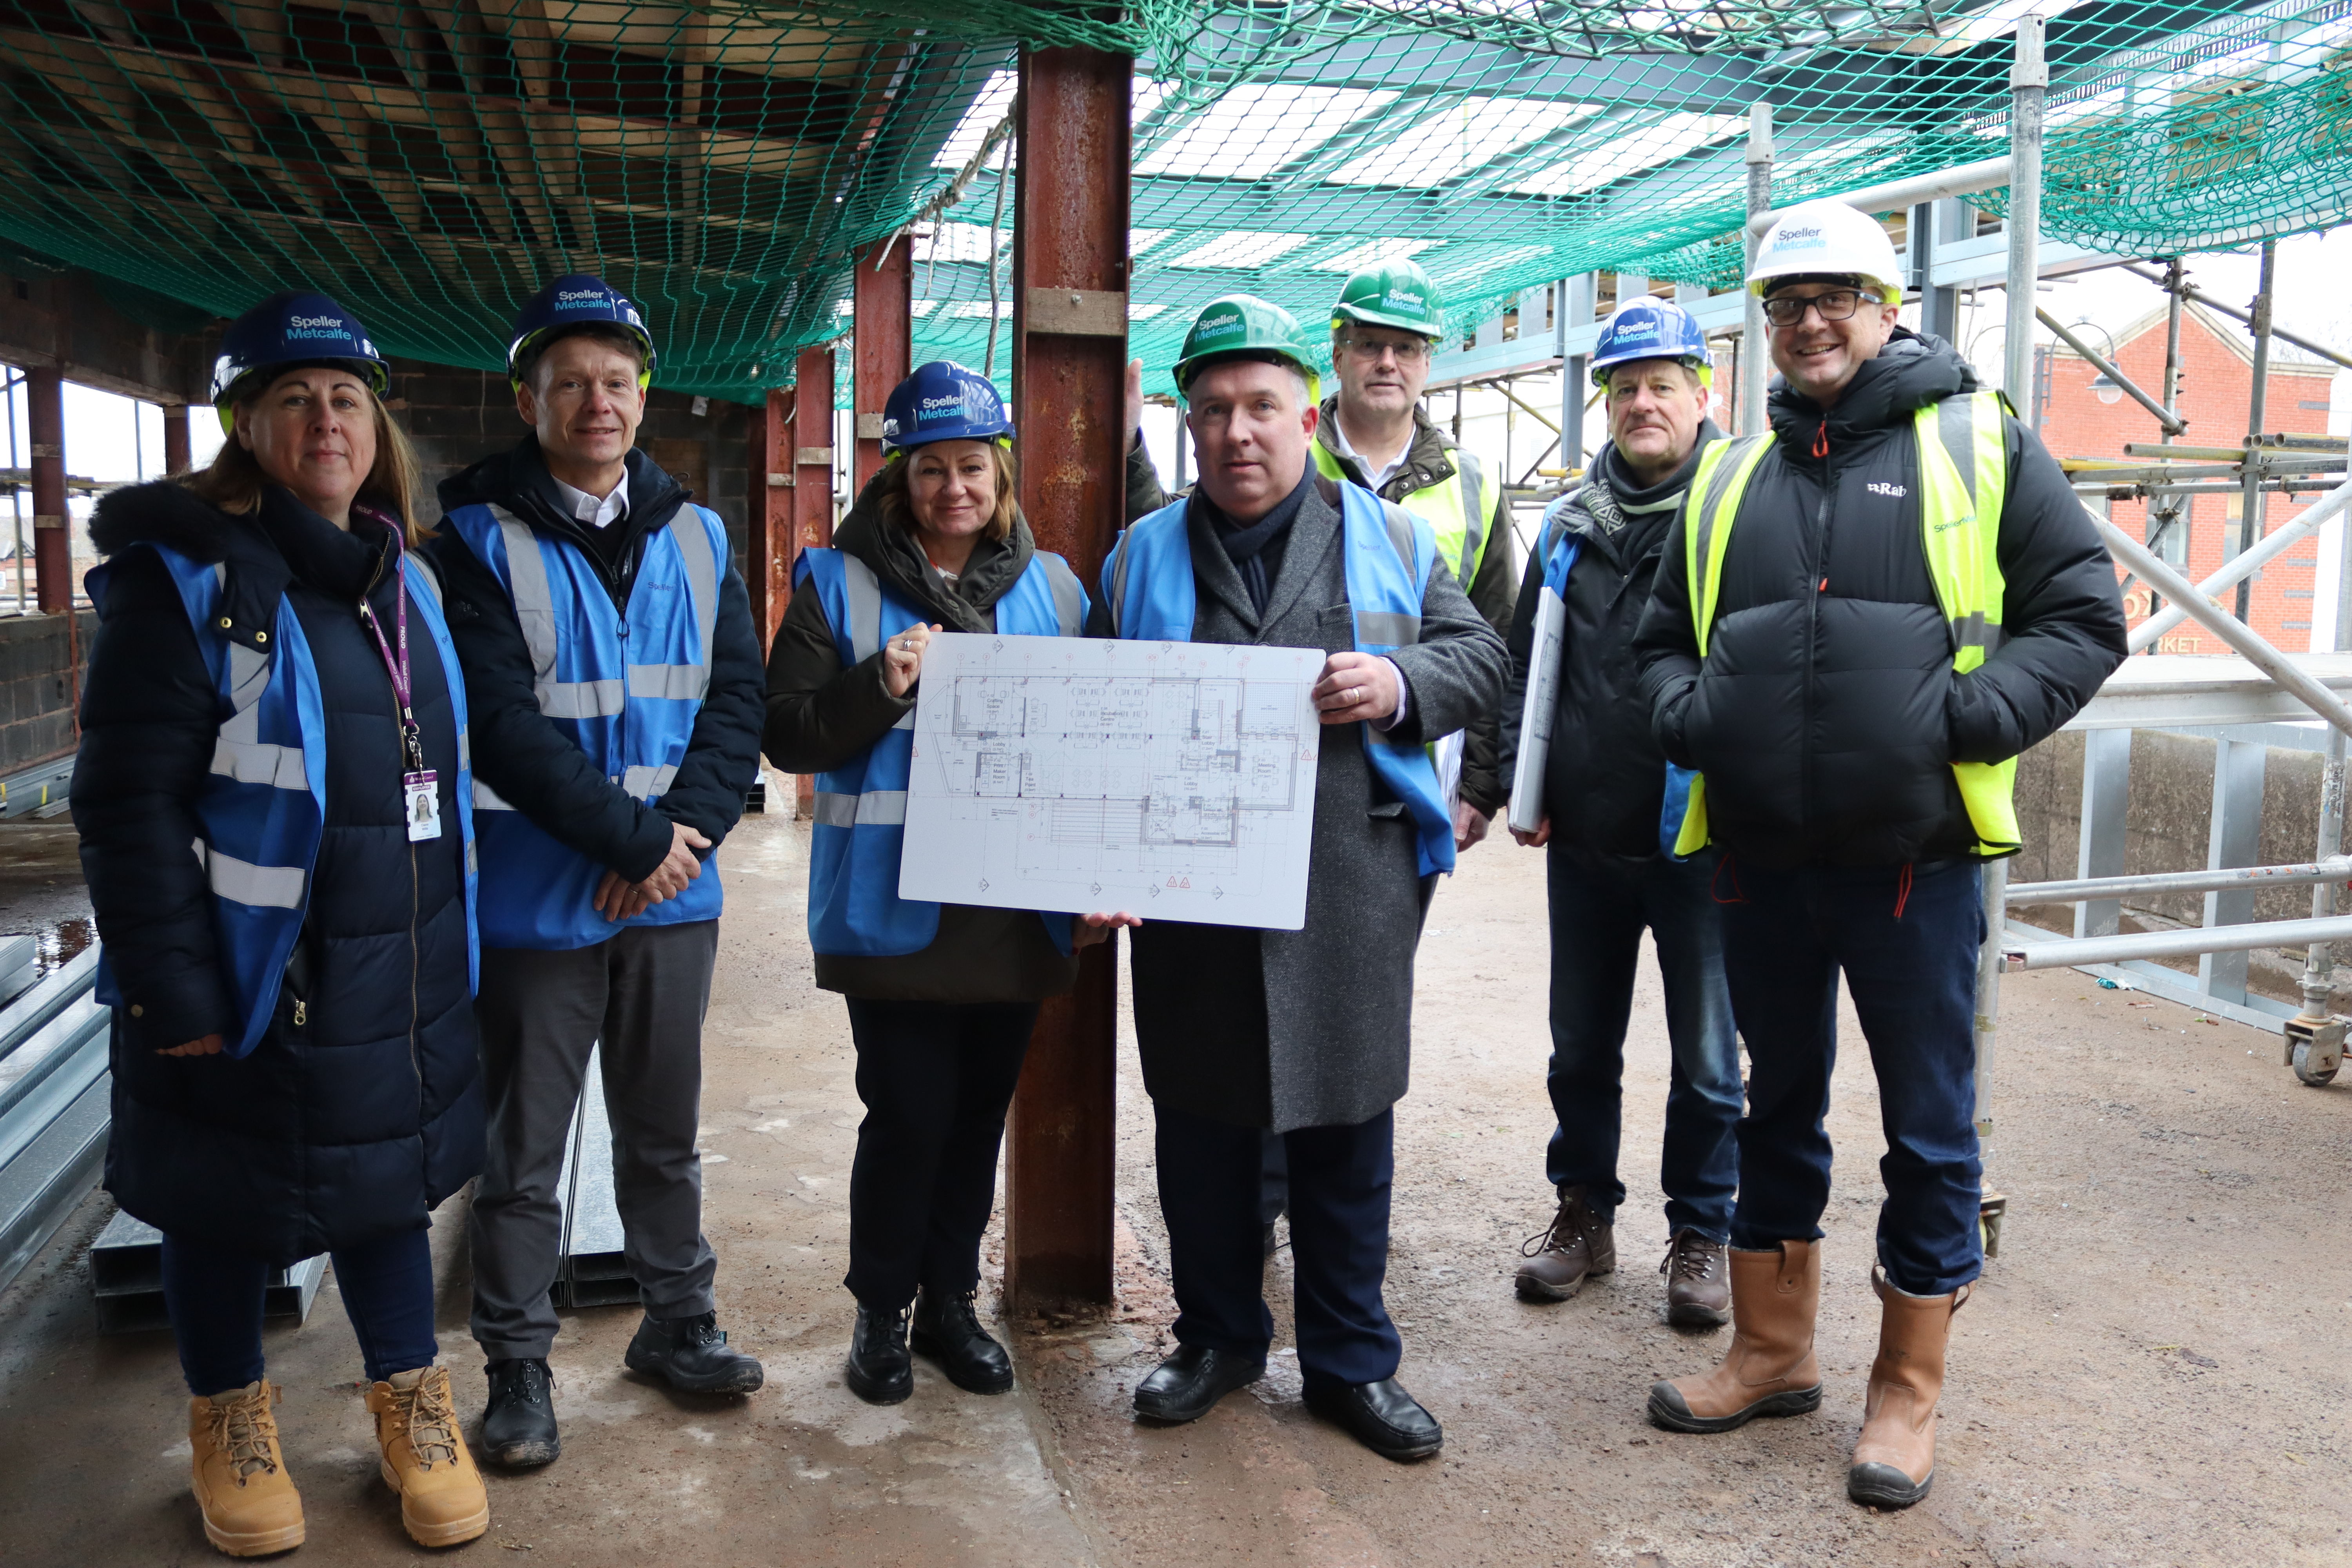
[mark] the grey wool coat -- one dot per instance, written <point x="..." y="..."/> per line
<point x="1313" y="1027"/>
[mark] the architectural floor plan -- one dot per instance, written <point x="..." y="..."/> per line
<point x="1174" y="781"/>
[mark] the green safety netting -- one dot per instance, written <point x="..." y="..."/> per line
<point x="433" y="163"/>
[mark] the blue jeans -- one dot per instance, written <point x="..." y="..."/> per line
<point x="1599" y="906"/>
<point x="215" y="1299"/>
<point x="1907" y="939"/>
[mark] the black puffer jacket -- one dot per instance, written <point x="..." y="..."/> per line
<point x="355" y="1123"/>
<point x="1826" y="714"/>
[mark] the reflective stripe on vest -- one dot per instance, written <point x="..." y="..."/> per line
<point x="261" y="812"/>
<point x="1460" y="510"/>
<point x="1150" y="590"/>
<point x="1964" y="484"/>
<point x="625" y="687"/>
<point x="858" y="834"/>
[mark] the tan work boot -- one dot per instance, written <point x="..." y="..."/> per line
<point x="1770" y="1368"/>
<point x="425" y="1459"/>
<point x="1578" y="1245"/>
<point x="250" y="1503"/>
<point x="1698" y="1283"/>
<point x="1895" y="1460"/>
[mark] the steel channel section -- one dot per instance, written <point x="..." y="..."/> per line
<point x="45" y="423"/>
<point x="126" y="1277"/>
<point x="1070" y="216"/>
<point x="2107" y="792"/>
<point x="592" y="1269"/>
<point x="882" y="300"/>
<point x="2233" y="839"/>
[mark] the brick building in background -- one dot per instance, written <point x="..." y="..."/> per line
<point x="2217" y="382"/>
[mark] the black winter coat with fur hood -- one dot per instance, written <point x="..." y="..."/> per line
<point x="361" y="1108"/>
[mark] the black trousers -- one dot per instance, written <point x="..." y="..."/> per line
<point x="936" y="1078"/>
<point x="1211" y="1182"/>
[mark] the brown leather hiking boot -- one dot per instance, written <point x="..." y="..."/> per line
<point x="1770" y="1368"/>
<point x="425" y="1460"/>
<point x="1698" y="1281"/>
<point x="1578" y="1245"/>
<point x="250" y="1503"/>
<point x="1894" y="1462"/>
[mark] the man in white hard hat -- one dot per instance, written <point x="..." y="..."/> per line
<point x="1862" y="619"/>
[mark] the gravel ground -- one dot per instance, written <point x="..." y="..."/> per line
<point x="2143" y="1378"/>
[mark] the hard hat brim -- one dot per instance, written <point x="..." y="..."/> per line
<point x="1342" y="314"/>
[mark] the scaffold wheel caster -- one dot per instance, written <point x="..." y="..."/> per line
<point x="2301" y="1062"/>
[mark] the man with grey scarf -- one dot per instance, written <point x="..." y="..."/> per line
<point x="1609" y="878"/>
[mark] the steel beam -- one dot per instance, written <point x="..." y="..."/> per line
<point x="2106" y="795"/>
<point x="768" y="533"/>
<point x="175" y="439"/>
<point x="811" y="466"/>
<point x="1070" y="223"/>
<point x="2233" y="839"/>
<point x="45" y="425"/>
<point x="883" y="296"/>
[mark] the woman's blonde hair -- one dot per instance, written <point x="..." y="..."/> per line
<point x="898" y="507"/>
<point x="233" y="482"/>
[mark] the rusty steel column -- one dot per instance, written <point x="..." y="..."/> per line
<point x="1069" y="367"/>
<point x="884" y="299"/>
<point x="768" y="526"/>
<point x="45" y="425"/>
<point x="812" y="492"/>
<point x="175" y="439"/>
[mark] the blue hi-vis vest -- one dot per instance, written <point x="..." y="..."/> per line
<point x="625" y="688"/>
<point x="263" y="807"/>
<point x="1147" y="582"/>
<point x="860" y="831"/>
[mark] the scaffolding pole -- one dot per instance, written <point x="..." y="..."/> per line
<point x="1756" y="361"/>
<point x="2249" y="502"/>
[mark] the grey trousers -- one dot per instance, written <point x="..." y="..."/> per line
<point x="643" y="994"/>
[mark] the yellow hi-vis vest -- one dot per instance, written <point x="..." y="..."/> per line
<point x="1458" y="511"/>
<point x="1963" y="481"/>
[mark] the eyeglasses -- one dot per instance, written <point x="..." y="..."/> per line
<point x="1414" y="351"/>
<point x="1835" y="305"/>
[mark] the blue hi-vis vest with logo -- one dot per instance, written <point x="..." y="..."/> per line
<point x="263" y="808"/>
<point x="1147" y="582"/>
<point x="859" y="834"/>
<point x="625" y="688"/>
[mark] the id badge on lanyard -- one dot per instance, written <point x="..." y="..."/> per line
<point x="420" y="794"/>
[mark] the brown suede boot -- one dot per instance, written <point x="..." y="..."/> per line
<point x="1770" y="1368"/>
<point x="1895" y="1460"/>
<point x="425" y="1459"/>
<point x="248" y="1502"/>
<point x="1578" y="1245"/>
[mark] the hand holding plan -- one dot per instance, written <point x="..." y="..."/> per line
<point x="1355" y="688"/>
<point x="902" y="659"/>
<point x="1088" y="930"/>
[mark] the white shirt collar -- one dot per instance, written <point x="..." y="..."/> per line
<point x="589" y="509"/>
<point x="1380" y="476"/>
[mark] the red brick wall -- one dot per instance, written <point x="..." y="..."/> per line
<point x="2216" y="391"/>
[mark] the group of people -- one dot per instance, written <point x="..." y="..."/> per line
<point x="432" y="871"/>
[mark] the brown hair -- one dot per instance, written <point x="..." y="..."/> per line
<point x="898" y="508"/>
<point x="526" y="369"/>
<point x="233" y="482"/>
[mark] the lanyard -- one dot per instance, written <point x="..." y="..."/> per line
<point x="411" y="738"/>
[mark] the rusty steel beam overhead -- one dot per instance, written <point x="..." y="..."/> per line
<point x="883" y="301"/>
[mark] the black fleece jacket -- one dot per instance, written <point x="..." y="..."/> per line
<point x="520" y="753"/>
<point x="1826" y="712"/>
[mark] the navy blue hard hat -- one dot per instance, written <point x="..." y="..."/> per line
<point x="286" y="329"/>
<point x="1651" y="327"/>
<point x="943" y="401"/>
<point x="582" y="300"/>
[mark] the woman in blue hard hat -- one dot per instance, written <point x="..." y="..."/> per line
<point x="294" y="1057"/>
<point x="941" y="996"/>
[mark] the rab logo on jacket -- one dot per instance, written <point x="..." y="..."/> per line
<point x="1881" y="488"/>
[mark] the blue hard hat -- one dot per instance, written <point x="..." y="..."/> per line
<point x="292" y="329"/>
<point x="581" y="299"/>
<point x="1651" y="327"/>
<point x="943" y="401"/>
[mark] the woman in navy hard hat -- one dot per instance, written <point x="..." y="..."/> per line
<point x="294" y="1056"/>
<point x="941" y="996"/>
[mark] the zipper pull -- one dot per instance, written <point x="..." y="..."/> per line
<point x="1821" y="438"/>
<point x="301" y="1012"/>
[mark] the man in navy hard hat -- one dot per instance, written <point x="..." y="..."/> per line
<point x="617" y="696"/>
<point x="1602" y="791"/>
<point x="1860" y="620"/>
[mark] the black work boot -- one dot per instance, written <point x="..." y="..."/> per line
<point x="519" y="1429"/>
<point x="693" y="1355"/>
<point x="877" y="1368"/>
<point x="947" y="1330"/>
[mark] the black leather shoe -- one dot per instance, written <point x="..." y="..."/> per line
<point x="878" y="1369"/>
<point x="1185" y="1386"/>
<point x="1381" y="1415"/>
<point x="693" y="1354"/>
<point x="519" y="1429"/>
<point x="947" y="1330"/>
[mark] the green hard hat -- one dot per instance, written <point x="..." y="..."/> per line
<point x="1244" y="324"/>
<point x="1394" y="294"/>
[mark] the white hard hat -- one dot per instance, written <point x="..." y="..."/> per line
<point x="1827" y="236"/>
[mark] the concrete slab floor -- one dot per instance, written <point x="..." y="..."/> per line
<point x="2146" y="1377"/>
